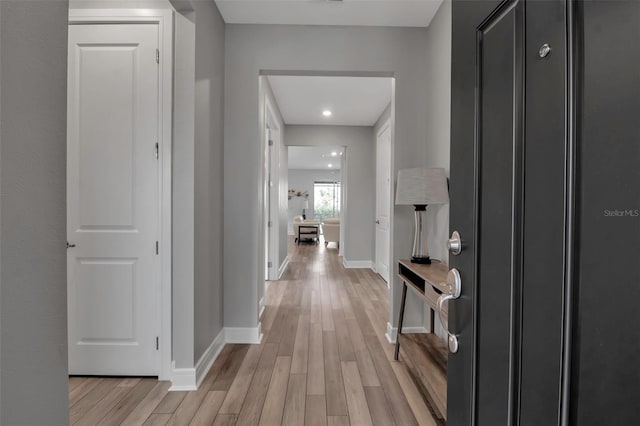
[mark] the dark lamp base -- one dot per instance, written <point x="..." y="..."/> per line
<point x="423" y="260"/>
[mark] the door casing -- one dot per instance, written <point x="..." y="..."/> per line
<point x="164" y="20"/>
<point x="386" y="127"/>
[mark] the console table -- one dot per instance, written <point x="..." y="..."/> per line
<point x="428" y="282"/>
<point x="426" y="354"/>
<point x="309" y="231"/>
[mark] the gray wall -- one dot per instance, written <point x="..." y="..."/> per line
<point x="209" y="135"/>
<point x="250" y="49"/>
<point x="33" y="286"/>
<point x="183" y="226"/>
<point x="438" y="120"/>
<point x="197" y="181"/>
<point x="359" y="181"/>
<point x="302" y="180"/>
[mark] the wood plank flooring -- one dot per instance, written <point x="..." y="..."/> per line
<point x="324" y="360"/>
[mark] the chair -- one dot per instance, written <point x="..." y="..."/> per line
<point x="331" y="229"/>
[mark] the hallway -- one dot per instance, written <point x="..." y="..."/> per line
<point x="324" y="360"/>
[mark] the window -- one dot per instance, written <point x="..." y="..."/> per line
<point x="326" y="200"/>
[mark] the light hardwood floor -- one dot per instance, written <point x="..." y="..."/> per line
<point x="324" y="360"/>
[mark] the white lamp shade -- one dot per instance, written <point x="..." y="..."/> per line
<point x="305" y="204"/>
<point x="422" y="187"/>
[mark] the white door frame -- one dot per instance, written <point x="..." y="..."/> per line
<point x="164" y="20"/>
<point x="273" y="204"/>
<point x="386" y="125"/>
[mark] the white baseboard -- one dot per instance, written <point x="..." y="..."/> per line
<point x="188" y="379"/>
<point x="283" y="267"/>
<point x="392" y="332"/>
<point x="209" y="356"/>
<point x="183" y="379"/>
<point x="260" y="307"/>
<point x="357" y="264"/>
<point x="250" y="335"/>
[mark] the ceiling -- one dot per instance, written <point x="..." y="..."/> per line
<point x="386" y="13"/>
<point x="314" y="157"/>
<point x="353" y="101"/>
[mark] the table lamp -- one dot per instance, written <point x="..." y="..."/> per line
<point x="305" y="206"/>
<point x="421" y="187"/>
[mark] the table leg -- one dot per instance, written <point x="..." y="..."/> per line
<point x="400" y="320"/>
<point x="432" y="320"/>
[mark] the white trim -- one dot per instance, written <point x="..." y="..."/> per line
<point x="283" y="267"/>
<point x="261" y="307"/>
<point x="383" y="128"/>
<point x="272" y="170"/>
<point x="209" y="356"/>
<point x="248" y="335"/>
<point x="164" y="20"/>
<point x="392" y="332"/>
<point x="183" y="379"/>
<point x="358" y="264"/>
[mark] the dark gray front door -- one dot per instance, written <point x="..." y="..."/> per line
<point x="545" y="191"/>
<point x="604" y="368"/>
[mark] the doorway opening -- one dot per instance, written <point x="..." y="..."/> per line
<point x="316" y="198"/>
<point x="340" y="117"/>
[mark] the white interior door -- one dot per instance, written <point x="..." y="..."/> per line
<point x="383" y="201"/>
<point x="113" y="200"/>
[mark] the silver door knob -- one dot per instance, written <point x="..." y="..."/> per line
<point x="454" y="245"/>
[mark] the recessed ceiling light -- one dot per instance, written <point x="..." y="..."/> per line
<point x="330" y="165"/>
<point x="340" y="153"/>
<point x="333" y="154"/>
<point x="327" y="113"/>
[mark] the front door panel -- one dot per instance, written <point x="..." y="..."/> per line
<point x="499" y="168"/>
<point x="507" y="202"/>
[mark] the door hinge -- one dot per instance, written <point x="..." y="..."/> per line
<point x="157" y="343"/>
<point x="157" y="247"/>
<point x="157" y="150"/>
<point x="270" y="264"/>
<point x="270" y="142"/>
<point x="157" y="56"/>
<point x="269" y="224"/>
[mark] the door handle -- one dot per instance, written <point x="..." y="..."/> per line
<point x="378" y="222"/>
<point x="454" y="289"/>
<point x="454" y="244"/>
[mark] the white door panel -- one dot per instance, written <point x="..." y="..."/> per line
<point x="383" y="201"/>
<point x="113" y="199"/>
